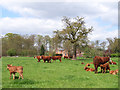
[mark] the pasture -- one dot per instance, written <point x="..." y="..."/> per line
<point x="67" y="74"/>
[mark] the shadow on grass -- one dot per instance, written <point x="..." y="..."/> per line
<point x="23" y="81"/>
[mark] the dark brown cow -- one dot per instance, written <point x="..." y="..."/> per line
<point x="65" y="57"/>
<point x="97" y="61"/>
<point x="70" y="56"/>
<point x="46" y="58"/>
<point x="15" y="69"/>
<point x="56" y="57"/>
<point x="105" y="67"/>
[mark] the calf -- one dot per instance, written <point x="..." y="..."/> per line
<point x="39" y="58"/>
<point x="15" y="69"/>
<point x="82" y="63"/>
<point x="105" y="67"/>
<point x="56" y="57"/>
<point x="87" y="64"/>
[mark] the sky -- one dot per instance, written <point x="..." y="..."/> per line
<point x="43" y="17"/>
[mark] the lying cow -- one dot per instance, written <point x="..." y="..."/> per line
<point x="46" y="58"/>
<point x="87" y="64"/>
<point x="105" y="67"/>
<point x="97" y="61"/>
<point x="15" y="69"/>
<point x="114" y="72"/>
<point x="89" y="69"/>
<point x="56" y="57"/>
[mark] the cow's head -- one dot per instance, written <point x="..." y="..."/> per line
<point x="8" y="65"/>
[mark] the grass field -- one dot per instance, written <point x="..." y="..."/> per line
<point x="67" y="74"/>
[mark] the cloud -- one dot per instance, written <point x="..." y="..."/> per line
<point x="39" y="17"/>
<point x="29" y="25"/>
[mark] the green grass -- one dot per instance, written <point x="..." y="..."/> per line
<point x="67" y="74"/>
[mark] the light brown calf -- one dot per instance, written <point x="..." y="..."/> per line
<point x="105" y="67"/>
<point x="15" y="69"/>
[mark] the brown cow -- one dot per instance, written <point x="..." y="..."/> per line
<point x="46" y="58"/>
<point x="82" y="63"/>
<point x="39" y="58"/>
<point x="56" y="57"/>
<point x="15" y="69"/>
<point x="97" y="61"/>
<point x="87" y="64"/>
<point x="105" y="67"/>
<point x="89" y="69"/>
<point x="65" y="57"/>
<point x="114" y="72"/>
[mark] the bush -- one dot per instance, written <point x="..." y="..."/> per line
<point x="115" y="55"/>
<point x="58" y="54"/>
<point x="11" y="52"/>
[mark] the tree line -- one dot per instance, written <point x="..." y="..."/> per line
<point x="73" y="36"/>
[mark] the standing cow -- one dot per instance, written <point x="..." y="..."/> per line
<point x="15" y="69"/>
<point x="46" y="58"/>
<point x="56" y="57"/>
<point x="97" y="61"/>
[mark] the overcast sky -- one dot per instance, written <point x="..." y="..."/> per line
<point x="38" y="17"/>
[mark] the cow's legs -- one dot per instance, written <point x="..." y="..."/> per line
<point x="13" y="76"/>
<point x="10" y="75"/>
<point x="21" y="75"/>
<point x="96" y="68"/>
<point x="60" y="60"/>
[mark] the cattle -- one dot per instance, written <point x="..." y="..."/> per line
<point x="97" y="61"/>
<point x="46" y="58"/>
<point x="105" y="67"/>
<point x="70" y="56"/>
<point x="114" y="72"/>
<point x="56" y="57"/>
<point x="112" y="62"/>
<point x="65" y="57"/>
<point x="38" y="57"/>
<point x="82" y="63"/>
<point x="87" y="64"/>
<point x="89" y="69"/>
<point x="15" y="69"/>
<point x="91" y="63"/>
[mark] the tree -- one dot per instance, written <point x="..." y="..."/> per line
<point x="42" y="50"/>
<point x="74" y="31"/>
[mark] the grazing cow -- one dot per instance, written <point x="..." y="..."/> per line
<point x="38" y="57"/>
<point x="105" y="67"/>
<point x="46" y="58"/>
<point x="15" y="69"/>
<point x="97" y="61"/>
<point x="87" y="64"/>
<point x="82" y="63"/>
<point x="56" y="57"/>
<point x="65" y="57"/>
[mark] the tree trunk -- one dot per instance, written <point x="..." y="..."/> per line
<point x="74" y="50"/>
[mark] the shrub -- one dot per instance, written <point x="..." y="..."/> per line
<point x="11" y="52"/>
<point x="58" y="54"/>
<point x="115" y="55"/>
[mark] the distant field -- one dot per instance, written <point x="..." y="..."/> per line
<point x="67" y="74"/>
